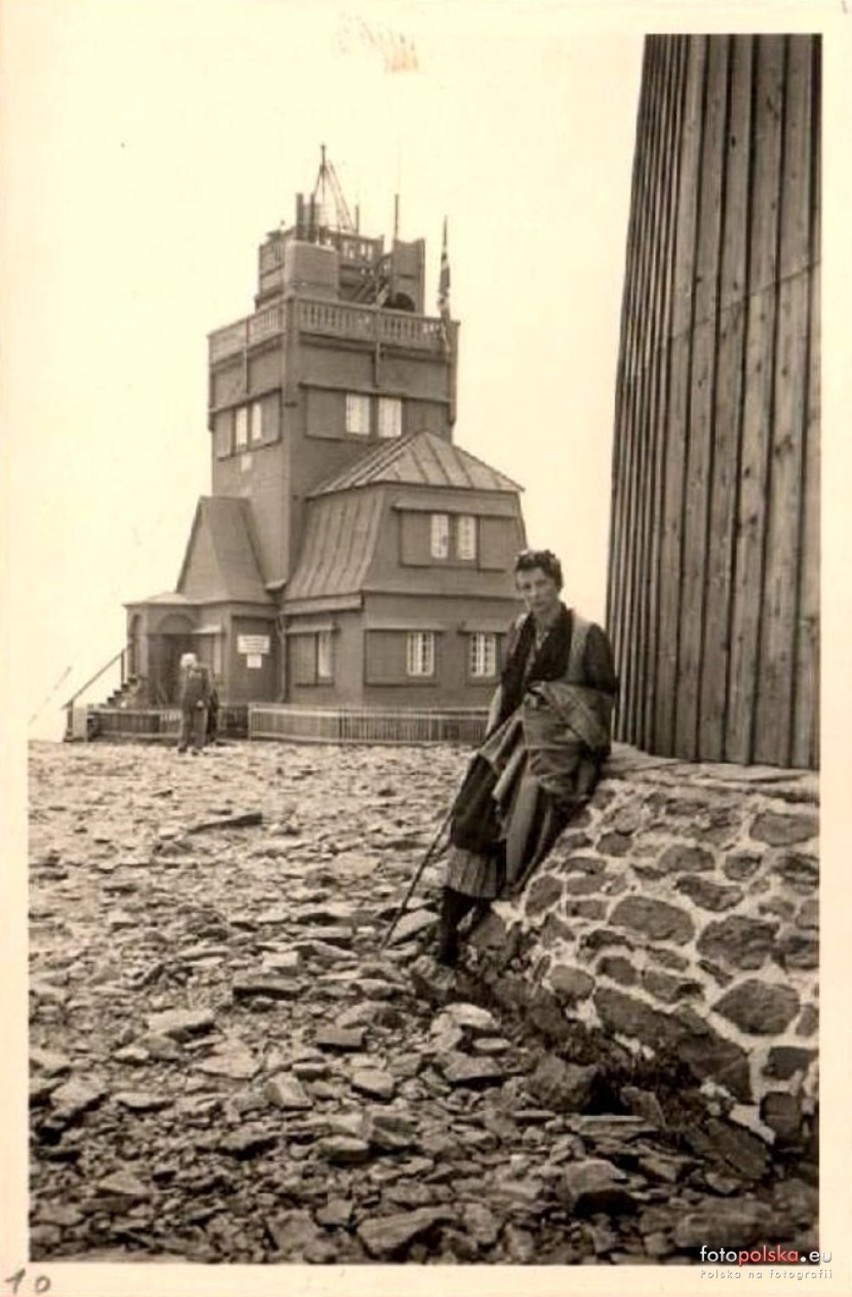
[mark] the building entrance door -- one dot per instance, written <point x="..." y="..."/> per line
<point x="177" y="645"/>
<point x="174" y="639"/>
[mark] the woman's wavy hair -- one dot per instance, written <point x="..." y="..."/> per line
<point x="541" y="558"/>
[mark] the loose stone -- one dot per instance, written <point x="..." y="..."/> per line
<point x="181" y="1024"/>
<point x="344" y="1150"/>
<point x="142" y="1100"/>
<point x="262" y="983"/>
<point x="49" y="1061"/>
<point x="286" y="1092"/>
<point x="464" y="1070"/>
<point x="73" y="1098"/>
<point x="595" y="1185"/>
<point x="340" y="1039"/>
<point x="122" y="1184"/>
<point x="374" y="1083"/>
<point x="385" y="1235"/>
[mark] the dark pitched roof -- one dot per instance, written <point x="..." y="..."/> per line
<point x="422" y="459"/>
<point x="221" y="561"/>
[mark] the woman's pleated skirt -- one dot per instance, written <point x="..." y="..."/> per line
<point x="473" y="874"/>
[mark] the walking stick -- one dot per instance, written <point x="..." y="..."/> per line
<point x="416" y="879"/>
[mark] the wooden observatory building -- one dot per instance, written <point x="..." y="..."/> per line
<point x="349" y="553"/>
<point x="714" y="555"/>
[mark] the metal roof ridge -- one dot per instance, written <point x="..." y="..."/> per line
<point x="378" y="458"/>
<point x="481" y="462"/>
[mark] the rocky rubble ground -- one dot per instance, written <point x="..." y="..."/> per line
<point x="226" y="1068"/>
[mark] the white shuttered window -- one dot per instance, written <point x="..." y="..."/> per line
<point x="439" y="537"/>
<point x="256" y="421"/>
<point x="420" y="653"/>
<point x="483" y="655"/>
<point x="357" y="414"/>
<point x="390" y="416"/>
<point x="324" y="659"/>
<point x="466" y="536"/>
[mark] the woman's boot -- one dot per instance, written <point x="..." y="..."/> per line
<point x="454" y="906"/>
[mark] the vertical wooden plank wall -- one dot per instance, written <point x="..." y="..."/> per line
<point x="714" y="563"/>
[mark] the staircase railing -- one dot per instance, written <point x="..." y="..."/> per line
<point x="122" y="657"/>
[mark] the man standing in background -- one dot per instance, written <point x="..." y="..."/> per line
<point x="195" y="691"/>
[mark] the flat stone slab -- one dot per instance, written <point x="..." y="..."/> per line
<point x="343" y="1039"/>
<point x="719" y="1223"/>
<point x="248" y="1142"/>
<point x="288" y="1093"/>
<point x="411" y="925"/>
<point x="74" y="1098"/>
<point x="311" y="1069"/>
<point x="594" y="1185"/>
<point x="49" y="1062"/>
<point x="384" y="1235"/>
<point x="323" y="951"/>
<point x="142" y="1100"/>
<point x="238" y="1064"/>
<point x="156" y="1045"/>
<point x="181" y="1024"/>
<point x="462" y="1070"/>
<point x="391" y="1132"/>
<point x="282" y="962"/>
<point x="249" y="985"/>
<point x="470" y="1017"/>
<point x="344" y="1150"/>
<point x="374" y="1082"/>
<point x="122" y="1184"/>
<point x="323" y="912"/>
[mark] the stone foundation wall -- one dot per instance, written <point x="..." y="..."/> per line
<point x="679" y="912"/>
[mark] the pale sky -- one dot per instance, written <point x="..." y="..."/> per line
<point x="149" y="149"/>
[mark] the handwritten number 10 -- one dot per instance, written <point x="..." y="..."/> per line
<point x="42" y="1283"/>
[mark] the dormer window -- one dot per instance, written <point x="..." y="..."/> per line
<point x="439" y="538"/>
<point x="452" y="537"/>
<point x="465" y="536"/>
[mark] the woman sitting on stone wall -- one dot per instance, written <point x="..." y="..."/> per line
<point x="547" y="737"/>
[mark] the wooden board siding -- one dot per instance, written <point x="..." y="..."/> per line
<point x="727" y="401"/>
<point x="712" y="595"/>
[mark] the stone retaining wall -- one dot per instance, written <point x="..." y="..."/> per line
<point x="679" y="912"/>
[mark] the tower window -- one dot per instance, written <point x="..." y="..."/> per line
<point x="439" y="536"/>
<point x="390" y="416"/>
<point x="241" y="427"/>
<point x="420" y="653"/>
<point x="482" y="662"/>
<point x="358" y="414"/>
<point x="223" y="429"/>
<point x="256" y="421"/>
